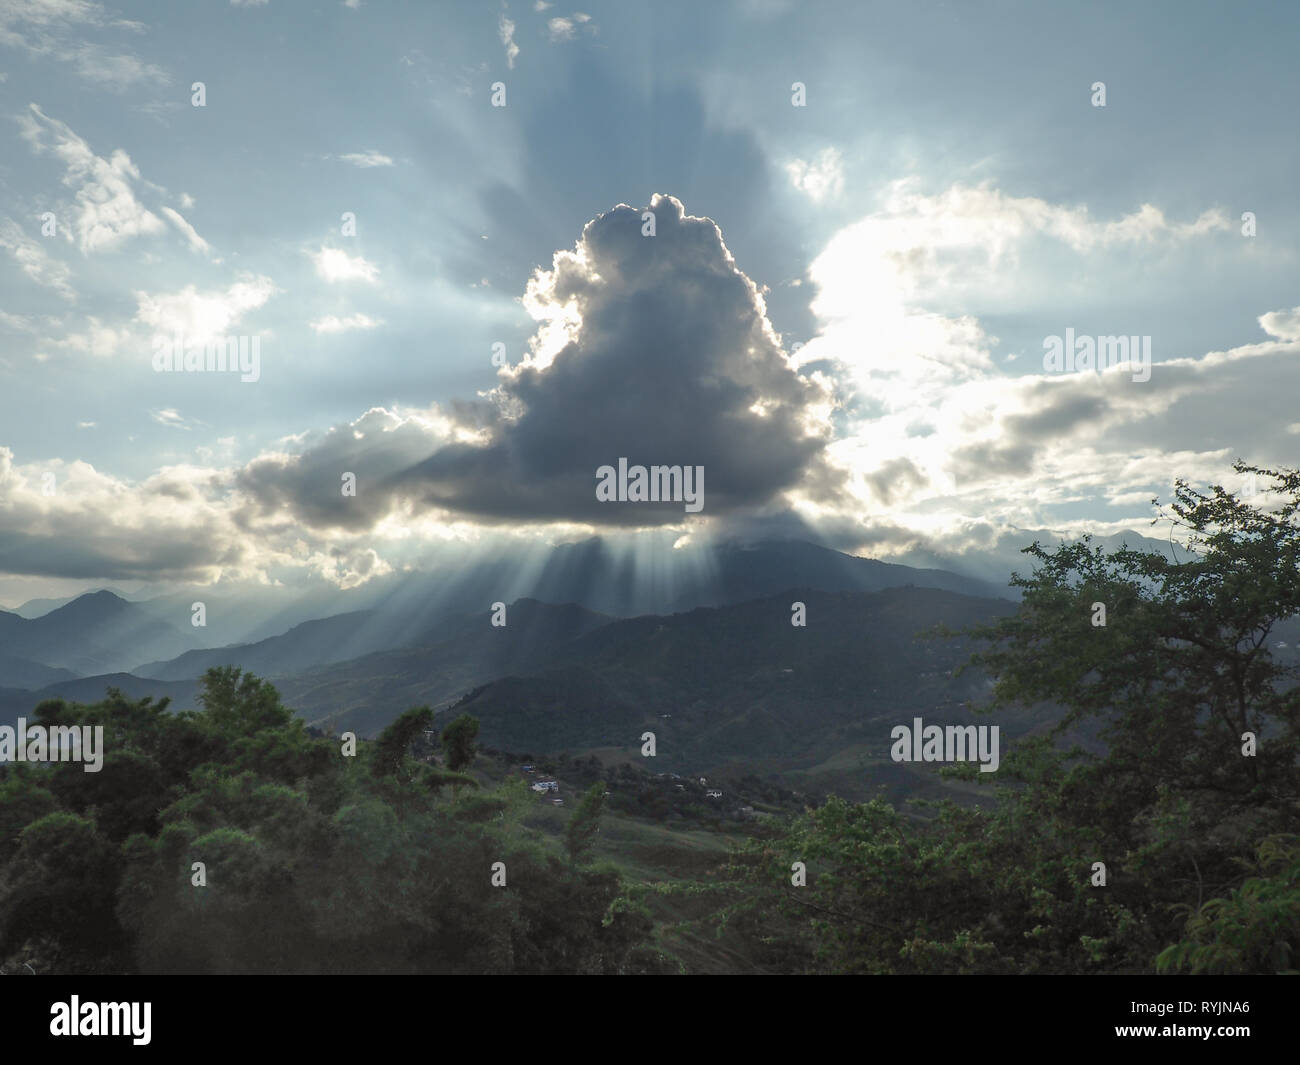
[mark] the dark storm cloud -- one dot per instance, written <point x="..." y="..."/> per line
<point x="674" y="364"/>
<point x="309" y="483"/>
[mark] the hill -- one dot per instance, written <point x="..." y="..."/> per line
<point x="95" y="633"/>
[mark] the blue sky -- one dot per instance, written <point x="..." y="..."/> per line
<point x="948" y="197"/>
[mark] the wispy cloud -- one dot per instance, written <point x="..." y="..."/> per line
<point x="57" y="29"/>
<point x="196" y="242"/>
<point x="566" y="28"/>
<point x="506" y="31"/>
<point x="34" y="260"/>
<point x="169" y="417"/>
<point x="107" y="212"/>
<point x="333" y="324"/>
<point x="367" y="159"/>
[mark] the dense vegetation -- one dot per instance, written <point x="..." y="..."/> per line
<point x="1198" y="837"/>
<point x="1185" y="786"/>
<point x="314" y="861"/>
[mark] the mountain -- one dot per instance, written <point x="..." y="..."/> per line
<point x="302" y="647"/>
<point x="720" y="687"/>
<point x="741" y="681"/>
<point x="995" y="563"/>
<point x="35" y="608"/>
<point x="95" y="633"/>
<point x="716" y="685"/>
<point x="424" y="609"/>
<point x="742" y="573"/>
<point x="368" y="692"/>
<point x="24" y="673"/>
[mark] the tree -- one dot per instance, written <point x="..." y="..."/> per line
<point x="394" y="743"/>
<point x="1147" y="768"/>
<point x="580" y="835"/>
<point x="231" y="840"/>
<point x="1181" y="670"/>
<point x="458" y="742"/>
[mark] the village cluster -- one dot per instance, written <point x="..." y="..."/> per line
<point x="552" y="787"/>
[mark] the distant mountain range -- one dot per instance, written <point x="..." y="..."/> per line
<point x="428" y="639"/>
<point x="716" y="685"/>
<point x="996" y="561"/>
<point x="594" y="651"/>
<point x="96" y="633"/>
<point x="587" y="575"/>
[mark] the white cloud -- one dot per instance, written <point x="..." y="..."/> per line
<point x="115" y="71"/>
<point x="202" y="315"/>
<point x="34" y="260"/>
<point x="1285" y="325"/>
<point x="506" y="31"/>
<point x="367" y="159"/>
<point x="820" y="179"/>
<point x="890" y="285"/>
<point x="196" y="242"/>
<point x="333" y="324"/>
<point x="107" y="212"/>
<point x="566" y="28"/>
<point x="97" y="339"/>
<point x="56" y="29"/>
<point x="335" y="265"/>
<point x="19" y="323"/>
<point x="941" y="447"/>
<point x="170" y="418"/>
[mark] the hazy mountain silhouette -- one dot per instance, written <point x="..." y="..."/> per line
<point x="427" y="609"/>
<point x="96" y="633"/>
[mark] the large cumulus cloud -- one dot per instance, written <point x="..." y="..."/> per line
<point x="655" y="348"/>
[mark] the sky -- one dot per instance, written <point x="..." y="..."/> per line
<point x="429" y="222"/>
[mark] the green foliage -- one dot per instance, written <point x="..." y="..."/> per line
<point x="394" y="743"/>
<point x="314" y="862"/>
<point x="1142" y="771"/>
<point x="580" y="835"/>
<point x="1255" y="929"/>
<point x="458" y="742"/>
